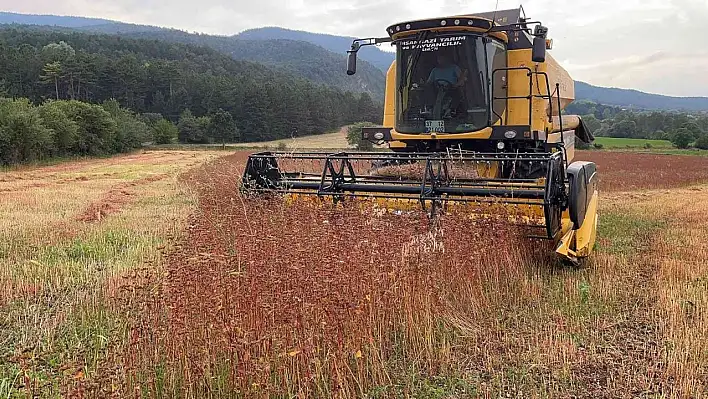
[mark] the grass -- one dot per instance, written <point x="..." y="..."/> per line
<point x="59" y="275"/>
<point x="624" y="143"/>
<point x="625" y="231"/>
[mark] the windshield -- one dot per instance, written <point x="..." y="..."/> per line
<point x="443" y="82"/>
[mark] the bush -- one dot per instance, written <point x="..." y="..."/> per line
<point x="164" y="132"/>
<point x="97" y="130"/>
<point x="66" y="131"/>
<point x="66" y="127"/>
<point x="682" y="138"/>
<point x="702" y="142"/>
<point x="598" y="146"/>
<point x="354" y="136"/>
<point x="132" y="132"/>
<point x="23" y="137"/>
<point x="647" y="146"/>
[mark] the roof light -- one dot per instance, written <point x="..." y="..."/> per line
<point x="443" y="22"/>
<point x="408" y="26"/>
<point x="457" y="22"/>
<point x="398" y="28"/>
<point x="500" y="145"/>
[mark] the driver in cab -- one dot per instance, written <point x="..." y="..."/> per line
<point x="446" y="72"/>
<point x="446" y="79"/>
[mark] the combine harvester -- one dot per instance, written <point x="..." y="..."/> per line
<point x="472" y="115"/>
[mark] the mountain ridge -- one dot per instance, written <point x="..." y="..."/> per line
<point x="632" y="98"/>
<point x="336" y="44"/>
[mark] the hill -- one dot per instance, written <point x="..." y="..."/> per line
<point x="150" y="76"/>
<point x="337" y="44"/>
<point x="295" y="57"/>
<point x="96" y="25"/>
<point x="51" y="20"/>
<point x="629" y="98"/>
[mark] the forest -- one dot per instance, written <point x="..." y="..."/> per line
<point x="171" y="79"/>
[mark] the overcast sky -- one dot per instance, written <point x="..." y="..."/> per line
<point x="649" y="45"/>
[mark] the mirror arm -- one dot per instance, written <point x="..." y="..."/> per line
<point x="358" y="44"/>
<point x="371" y="41"/>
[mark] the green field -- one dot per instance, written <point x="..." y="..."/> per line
<point x="613" y="142"/>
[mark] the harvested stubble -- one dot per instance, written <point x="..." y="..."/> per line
<point x="317" y="300"/>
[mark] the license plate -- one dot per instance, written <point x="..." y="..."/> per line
<point x="435" y="126"/>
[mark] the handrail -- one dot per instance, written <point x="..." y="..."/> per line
<point x="530" y="74"/>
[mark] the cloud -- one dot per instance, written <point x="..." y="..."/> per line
<point x="650" y="45"/>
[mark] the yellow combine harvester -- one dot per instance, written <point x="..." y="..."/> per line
<point x="473" y="105"/>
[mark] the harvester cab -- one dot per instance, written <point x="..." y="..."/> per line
<point x="472" y="114"/>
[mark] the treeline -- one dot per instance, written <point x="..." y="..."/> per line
<point x="155" y="77"/>
<point x="66" y="128"/>
<point x="682" y="129"/>
<point x="69" y="128"/>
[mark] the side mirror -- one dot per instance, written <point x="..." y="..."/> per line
<point x="538" y="54"/>
<point x="539" y="49"/>
<point x="351" y="57"/>
<point x="351" y="62"/>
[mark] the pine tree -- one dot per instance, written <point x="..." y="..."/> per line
<point x="51" y="73"/>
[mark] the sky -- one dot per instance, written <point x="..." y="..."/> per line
<point x="648" y="45"/>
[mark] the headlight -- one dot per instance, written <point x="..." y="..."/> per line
<point x="378" y="136"/>
<point x="510" y="134"/>
<point x="500" y="145"/>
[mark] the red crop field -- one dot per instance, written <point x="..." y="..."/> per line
<point x="629" y="171"/>
<point x="312" y="299"/>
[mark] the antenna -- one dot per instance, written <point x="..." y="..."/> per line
<point x="494" y="16"/>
